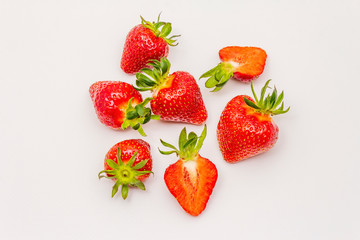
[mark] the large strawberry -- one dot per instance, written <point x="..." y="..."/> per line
<point x="145" y="42"/>
<point x="119" y="105"/>
<point x="176" y="97"/>
<point x="128" y="163"/>
<point x="192" y="178"/>
<point x="246" y="128"/>
<point x="241" y="63"/>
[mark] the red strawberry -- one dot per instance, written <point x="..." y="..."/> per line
<point x="119" y="105"/>
<point x="246" y="128"/>
<point x="241" y="63"/>
<point x="192" y="178"/>
<point x="128" y="163"/>
<point x="176" y="97"/>
<point x="146" y="41"/>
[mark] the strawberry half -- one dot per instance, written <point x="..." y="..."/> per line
<point x="128" y="163"/>
<point x="192" y="178"/>
<point x="145" y="42"/>
<point x="175" y="97"/>
<point x="246" y="128"/>
<point x="241" y="63"/>
<point x="119" y="105"/>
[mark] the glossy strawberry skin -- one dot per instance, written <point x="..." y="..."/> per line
<point x="110" y="100"/>
<point x="248" y="62"/>
<point x="191" y="183"/>
<point x="128" y="149"/>
<point x="141" y="45"/>
<point x="243" y="133"/>
<point x="181" y="101"/>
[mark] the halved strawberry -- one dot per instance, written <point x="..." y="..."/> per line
<point x="241" y="63"/>
<point x="128" y="163"/>
<point x="192" y="178"/>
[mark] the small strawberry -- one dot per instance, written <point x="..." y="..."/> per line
<point x="241" y="63"/>
<point x="176" y="97"/>
<point x="192" y="178"/>
<point x="119" y="105"/>
<point x="246" y="128"/>
<point x="145" y="42"/>
<point x="128" y="163"/>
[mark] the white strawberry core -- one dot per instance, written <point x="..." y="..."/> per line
<point x="191" y="168"/>
<point x="234" y="64"/>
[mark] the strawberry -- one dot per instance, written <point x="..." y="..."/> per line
<point x="246" y="128"/>
<point x="119" y="105"/>
<point x="145" y="42"/>
<point x="241" y="63"/>
<point x="176" y="97"/>
<point x="192" y="178"/>
<point x="128" y="163"/>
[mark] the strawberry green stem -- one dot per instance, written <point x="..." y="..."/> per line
<point x="135" y="116"/>
<point x="218" y="76"/>
<point x="267" y="105"/>
<point x="125" y="174"/>
<point x="161" y="29"/>
<point x="151" y="79"/>
<point x="189" y="145"/>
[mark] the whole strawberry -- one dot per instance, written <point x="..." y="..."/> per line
<point x="241" y="63"/>
<point x="119" y="105"/>
<point x="145" y="42"/>
<point x="246" y="128"/>
<point x="175" y="97"/>
<point x="192" y="178"/>
<point x="128" y="163"/>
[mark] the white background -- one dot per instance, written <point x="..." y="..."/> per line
<point x="52" y="145"/>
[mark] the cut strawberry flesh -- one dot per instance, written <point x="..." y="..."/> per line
<point x="191" y="183"/>
<point x="248" y="62"/>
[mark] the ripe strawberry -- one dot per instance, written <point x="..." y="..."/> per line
<point x="176" y="97"/>
<point x="241" y="63"/>
<point x="119" y="105"/>
<point x="128" y="163"/>
<point x="246" y="128"/>
<point x="145" y="42"/>
<point x="192" y="178"/>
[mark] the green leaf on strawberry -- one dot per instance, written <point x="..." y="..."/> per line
<point x="135" y="116"/>
<point x="125" y="174"/>
<point x="268" y="104"/>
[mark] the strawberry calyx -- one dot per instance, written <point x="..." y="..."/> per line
<point x="125" y="174"/>
<point x="135" y="116"/>
<point x="269" y="104"/>
<point x="189" y="145"/>
<point x="153" y="79"/>
<point x="218" y="76"/>
<point x="161" y="29"/>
